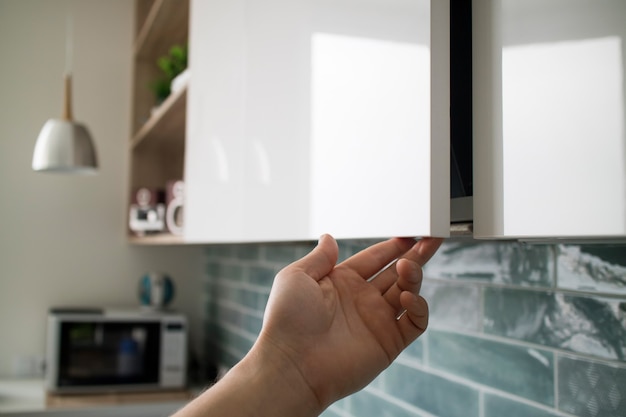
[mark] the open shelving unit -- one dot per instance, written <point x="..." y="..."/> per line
<point x="165" y="124"/>
<point x="157" y="140"/>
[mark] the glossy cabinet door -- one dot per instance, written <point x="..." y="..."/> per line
<point x="308" y="117"/>
<point x="215" y="130"/>
<point x="549" y="117"/>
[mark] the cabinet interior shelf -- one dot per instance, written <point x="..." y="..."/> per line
<point x="157" y="138"/>
<point x="165" y="124"/>
<point x="165" y="23"/>
<point x="157" y="239"/>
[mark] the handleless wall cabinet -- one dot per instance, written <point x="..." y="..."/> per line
<point x="311" y="117"/>
<point x="339" y="116"/>
<point x="549" y="116"/>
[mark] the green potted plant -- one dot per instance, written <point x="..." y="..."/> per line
<point x="171" y="65"/>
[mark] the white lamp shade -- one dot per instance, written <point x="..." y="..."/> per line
<point x="64" y="146"/>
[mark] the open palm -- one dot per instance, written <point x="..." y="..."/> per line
<point x="339" y="327"/>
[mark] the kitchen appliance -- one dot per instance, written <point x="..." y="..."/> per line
<point x="107" y="350"/>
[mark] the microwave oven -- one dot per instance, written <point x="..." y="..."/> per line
<point x="105" y="350"/>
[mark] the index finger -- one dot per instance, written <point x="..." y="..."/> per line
<point x="423" y="250"/>
<point x="420" y="253"/>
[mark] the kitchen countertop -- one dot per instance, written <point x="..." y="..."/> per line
<point x="27" y="398"/>
<point x="17" y="395"/>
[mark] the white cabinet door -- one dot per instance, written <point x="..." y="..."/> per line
<point x="215" y="129"/>
<point x="311" y="117"/>
<point x="549" y="112"/>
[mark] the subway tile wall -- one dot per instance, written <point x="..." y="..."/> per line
<point x="516" y="329"/>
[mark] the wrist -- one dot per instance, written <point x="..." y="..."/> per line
<point x="263" y="384"/>
<point x="276" y="385"/>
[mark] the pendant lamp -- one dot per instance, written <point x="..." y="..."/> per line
<point x="63" y="145"/>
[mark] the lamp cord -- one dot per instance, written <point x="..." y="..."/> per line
<point x="69" y="41"/>
<point x="67" y="78"/>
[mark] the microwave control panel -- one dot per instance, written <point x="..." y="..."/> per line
<point x="174" y="354"/>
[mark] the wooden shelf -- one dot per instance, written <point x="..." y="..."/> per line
<point x="156" y="239"/>
<point x="166" y="124"/>
<point x="164" y="26"/>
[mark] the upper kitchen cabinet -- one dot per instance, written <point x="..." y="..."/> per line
<point x="311" y="117"/>
<point x="549" y="117"/>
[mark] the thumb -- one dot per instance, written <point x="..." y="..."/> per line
<point x="321" y="260"/>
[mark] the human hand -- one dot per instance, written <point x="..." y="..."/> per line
<point x="328" y="331"/>
<point x="337" y="329"/>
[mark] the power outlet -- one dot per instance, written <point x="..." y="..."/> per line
<point x="28" y="366"/>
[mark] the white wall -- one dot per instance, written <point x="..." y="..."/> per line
<point x="62" y="238"/>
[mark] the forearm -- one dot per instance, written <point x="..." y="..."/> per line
<point x="255" y="388"/>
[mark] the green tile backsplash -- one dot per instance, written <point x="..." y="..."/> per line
<point x="430" y="392"/>
<point x="527" y="372"/>
<point x="516" y="330"/>
<point x="580" y="323"/>
<point x="497" y="406"/>
<point x="590" y="388"/>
